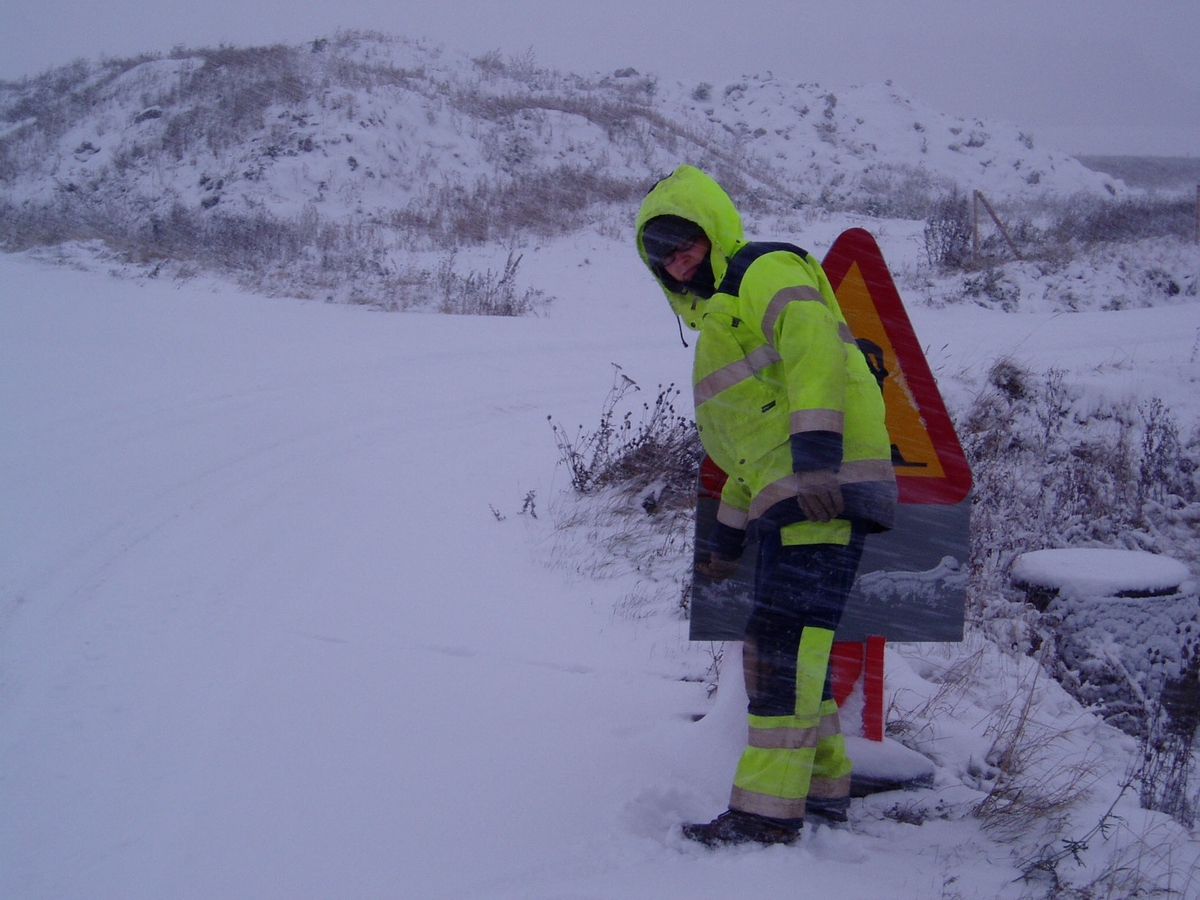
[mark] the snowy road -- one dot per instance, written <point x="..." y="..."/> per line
<point x="261" y="628"/>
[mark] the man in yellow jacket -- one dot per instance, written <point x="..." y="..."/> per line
<point x="787" y="406"/>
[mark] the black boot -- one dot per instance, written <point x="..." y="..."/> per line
<point x="832" y="809"/>
<point x="736" y="827"/>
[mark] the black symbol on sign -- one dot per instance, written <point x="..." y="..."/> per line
<point x="875" y="362"/>
<point x="898" y="460"/>
<point x="874" y="355"/>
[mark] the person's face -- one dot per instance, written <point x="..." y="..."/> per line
<point x="682" y="262"/>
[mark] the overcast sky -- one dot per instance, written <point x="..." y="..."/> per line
<point x="1085" y="76"/>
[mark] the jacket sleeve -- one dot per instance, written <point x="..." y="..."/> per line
<point x="809" y="336"/>
<point x="726" y="541"/>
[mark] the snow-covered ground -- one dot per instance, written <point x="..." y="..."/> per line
<point x="274" y="625"/>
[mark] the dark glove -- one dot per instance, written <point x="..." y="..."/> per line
<point x="718" y="568"/>
<point x="819" y="494"/>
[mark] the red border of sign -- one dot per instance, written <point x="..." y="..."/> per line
<point x="858" y="246"/>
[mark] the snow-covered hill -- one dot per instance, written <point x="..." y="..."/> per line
<point x="366" y="124"/>
<point x="310" y="165"/>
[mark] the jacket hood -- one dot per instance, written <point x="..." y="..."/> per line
<point x="689" y="193"/>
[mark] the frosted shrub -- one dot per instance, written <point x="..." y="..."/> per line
<point x="1168" y="750"/>
<point x="486" y="294"/>
<point x="1095" y="220"/>
<point x="948" y="232"/>
<point x="993" y="289"/>
<point x="898" y="191"/>
<point x="661" y="453"/>
<point x="1165" y="472"/>
<point x="634" y="498"/>
<point x="546" y="204"/>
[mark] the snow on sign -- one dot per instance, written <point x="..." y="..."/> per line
<point x="929" y="462"/>
<point x="912" y="581"/>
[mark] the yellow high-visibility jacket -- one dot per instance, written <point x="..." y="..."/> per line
<point x="779" y="384"/>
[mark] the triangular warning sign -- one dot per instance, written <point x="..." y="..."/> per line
<point x="928" y="459"/>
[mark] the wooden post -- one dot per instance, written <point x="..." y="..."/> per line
<point x="975" y="228"/>
<point x="995" y="218"/>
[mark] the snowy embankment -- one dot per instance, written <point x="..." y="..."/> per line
<point x="272" y="623"/>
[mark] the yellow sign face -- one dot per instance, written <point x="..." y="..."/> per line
<point x="913" y="453"/>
